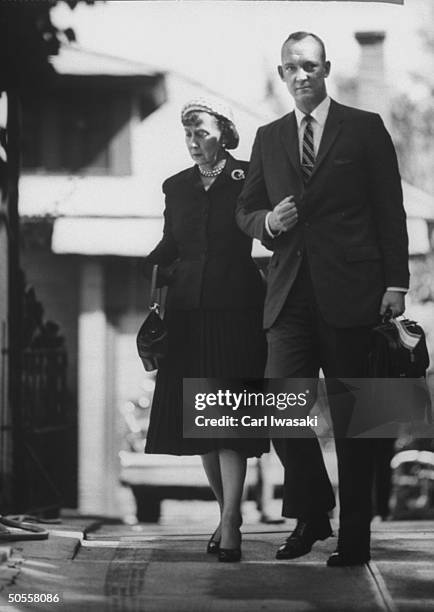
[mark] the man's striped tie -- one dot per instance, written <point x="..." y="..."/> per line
<point x="308" y="153"/>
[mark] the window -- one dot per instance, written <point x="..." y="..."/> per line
<point x="77" y="131"/>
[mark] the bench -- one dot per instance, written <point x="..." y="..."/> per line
<point x="153" y="478"/>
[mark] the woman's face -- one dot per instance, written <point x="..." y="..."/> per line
<point x="203" y="139"/>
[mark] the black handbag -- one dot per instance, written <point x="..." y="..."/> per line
<point x="152" y="336"/>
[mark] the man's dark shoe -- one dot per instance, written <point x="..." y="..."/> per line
<point x="301" y="540"/>
<point x="338" y="559"/>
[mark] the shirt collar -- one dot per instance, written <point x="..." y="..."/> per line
<point x="319" y="113"/>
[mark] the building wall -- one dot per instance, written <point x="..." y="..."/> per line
<point x="3" y="284"/>
<point x="61" y="287"/>
<point x="5" y="441"/>
<point x="55" y="280"/>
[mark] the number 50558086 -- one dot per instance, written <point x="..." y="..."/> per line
<point x="33" y="598"/>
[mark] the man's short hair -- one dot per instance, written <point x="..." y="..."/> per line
<point x="297" y="36"/>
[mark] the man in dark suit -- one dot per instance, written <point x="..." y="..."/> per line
<point x="323" y="192"/>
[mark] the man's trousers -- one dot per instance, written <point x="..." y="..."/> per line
<point x="300" y="343"/>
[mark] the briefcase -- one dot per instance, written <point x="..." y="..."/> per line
<point x="398" y="349"/>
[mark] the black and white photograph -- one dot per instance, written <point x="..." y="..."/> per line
<point x="216" y="305"/>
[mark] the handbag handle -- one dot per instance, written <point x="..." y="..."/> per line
<point x="155" y="293"/>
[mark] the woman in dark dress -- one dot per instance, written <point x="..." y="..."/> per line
<point x="214" y="307"/>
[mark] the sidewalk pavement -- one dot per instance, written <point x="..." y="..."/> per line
<point x="96" y="566"/>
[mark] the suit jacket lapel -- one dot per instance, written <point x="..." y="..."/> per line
<point x="289" y="138"/>
<point x="331" y="130"/>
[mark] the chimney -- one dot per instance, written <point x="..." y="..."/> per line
<point x="372" y="90"/>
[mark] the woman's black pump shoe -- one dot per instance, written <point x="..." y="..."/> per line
<point x="229" y="555"/>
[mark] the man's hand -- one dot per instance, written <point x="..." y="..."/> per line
<point x="284" y="215"/>
<point x="394" y="301"/>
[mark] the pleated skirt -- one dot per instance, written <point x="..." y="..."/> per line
<point x="204" y="344"/>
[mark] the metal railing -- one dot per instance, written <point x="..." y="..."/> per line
<point x="43" y="389"/>
<point x="41" y="430"/>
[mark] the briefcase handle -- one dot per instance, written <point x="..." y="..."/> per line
<point x="388" y="316"/>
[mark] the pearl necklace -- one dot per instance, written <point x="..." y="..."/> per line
<point x="218" y="168"/>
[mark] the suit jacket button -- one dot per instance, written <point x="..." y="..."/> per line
<point x="298" y="253"/>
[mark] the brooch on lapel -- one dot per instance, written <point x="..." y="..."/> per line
<point x="238" y="174"/>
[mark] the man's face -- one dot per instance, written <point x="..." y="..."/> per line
<point x="304" y="71"/>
